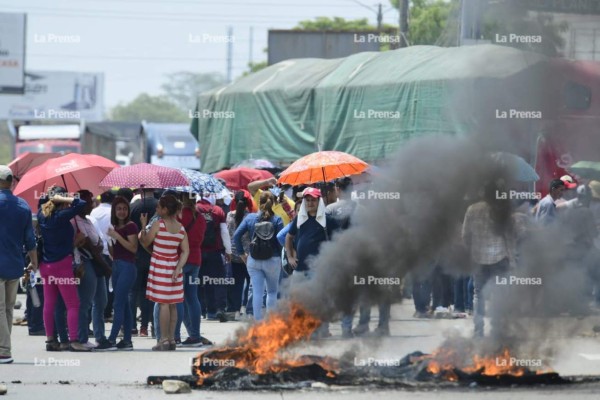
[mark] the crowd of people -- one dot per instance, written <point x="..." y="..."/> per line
<point x="180" y="257"/>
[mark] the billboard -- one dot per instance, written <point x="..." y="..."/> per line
<point x="12" y="53"/>
<point x="287" y="44"/>
<point x="57" y="95"/>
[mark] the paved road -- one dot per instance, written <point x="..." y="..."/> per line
<point x="122" y="375"/>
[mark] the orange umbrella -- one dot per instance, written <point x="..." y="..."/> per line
<point x="322" y="166"/>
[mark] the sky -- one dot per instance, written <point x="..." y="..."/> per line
<point x="136" y="43"/>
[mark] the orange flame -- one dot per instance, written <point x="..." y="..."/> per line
<point x="258" y="349"/>
<point x="444" y="362"/>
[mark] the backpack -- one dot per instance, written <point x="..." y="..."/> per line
<point x="210" y="236"/>
<point x="260" y="245"/>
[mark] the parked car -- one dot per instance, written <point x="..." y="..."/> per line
<point x="171" y="145"/>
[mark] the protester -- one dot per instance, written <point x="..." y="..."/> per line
<point x="283" y="206"/>
<point x="145" y="204"/>
<point x="235" y="292"/>
<point x="546" y="209"/>
<point x="263" y="259"/>
<point x="216" y="251"/>
<point x="16" y="233"/>
<point x="54" y="219"/>
<point x="123" y="247"/>
<point x="92" y="286"/>
<point x="195" y="226"/>
<point x="310" y="228"/>
<point x="489" y="234"/>
<point x="165" y="278"/>
<point x="101" y="219"/>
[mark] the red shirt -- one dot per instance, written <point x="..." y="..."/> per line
<point x="218" y="217"/>
<point x="195" y="232"/>
<point x="120" y="252"/>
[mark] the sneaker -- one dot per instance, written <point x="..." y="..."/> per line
<point x="90" y="345"/>
<point x="347" y="334"/>
<point x="106" y="345"/>
<point x="41" y="332"/>
<point x="53" y="345"/>
<point x="205" y="341"/>
<point x="361" y="329"/>
<point x="78" y="347"/>
<point x="190" y="342"/>
<point x="381" y="332"/>
<point x="6" y="359"/>
<point x="230" y="315"/>
<point x="221" y="316"/>
<point x="124" y="346"/>
<point x="143" y="332"/>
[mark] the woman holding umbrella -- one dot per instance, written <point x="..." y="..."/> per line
<point x="54" y="219"/>
<point x="165" y="279"/>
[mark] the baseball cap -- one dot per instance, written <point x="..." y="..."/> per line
<point x="312" y="192"/>
<point x="569" y="182"/>
<point x="6" y="173"/>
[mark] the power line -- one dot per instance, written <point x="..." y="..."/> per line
<point x="277" y="4"/>
<point x="124" y="58"/>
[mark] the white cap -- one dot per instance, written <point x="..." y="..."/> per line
<point x="6" y="173"/>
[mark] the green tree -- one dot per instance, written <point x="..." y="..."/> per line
<point x="511" y="17"/>
<point x="150" y="108"/>
<point x="182" y="88"/>
<point x="428" y="21"/>
<point x="334" y="24"/>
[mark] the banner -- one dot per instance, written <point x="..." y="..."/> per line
<point x="60" y="95"/>
<point x="12" y="53"/>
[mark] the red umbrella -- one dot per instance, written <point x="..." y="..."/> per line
<point x="72" y="171"/>
<point x="239" y="178"/>
<point x="323" y="166"/>
<point x="144" y="176"/>
<point x="27" y="161"/>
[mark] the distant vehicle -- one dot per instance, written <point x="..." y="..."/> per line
<point x="38" y="138"/>
<point x="171" y="145"/>
<point x="123" y="142"/>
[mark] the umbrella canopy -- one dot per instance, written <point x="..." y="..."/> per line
<point x="28" y="160"/>
<point x="144" y="176"/>
<point x="520" y="170"/>
<point x="322" y="166"/>
<point x="239" y="178"/>
<point x="256" y="164"/>
<point x="199" y="182"/>
<point x="586" y="169"/>
<point x="72" y="171"/>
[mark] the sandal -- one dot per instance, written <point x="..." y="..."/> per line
<point x="172" y="345"/>
<point x="162" y="346"/>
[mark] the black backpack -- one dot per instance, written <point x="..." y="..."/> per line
<point x="260" y="246"/>
<point x="210" y="236"/>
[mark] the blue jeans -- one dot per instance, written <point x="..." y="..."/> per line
<point x="215" y="294"/>
<point x="35" y="315"/>
<point x="482" y="276"/>
<point x="192" y="308"/>
<point x="86" y="291"/>
<point x="123" y="279"/>
<point x="235" y="292"/>
<point x="261" y="272"/>
<point x="365" y="315"/>
<point x="98" y="307"/>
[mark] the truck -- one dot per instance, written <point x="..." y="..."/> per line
<point x="171" y="145"/>
<point x="123" y="142"/>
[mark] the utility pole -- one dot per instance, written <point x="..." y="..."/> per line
<point x="229" y="52"/>
<point x="403" y="23"/>
<point x="379" y="17"/>
<point x="250" y="57"/>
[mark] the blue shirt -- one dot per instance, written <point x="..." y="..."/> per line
<point x="282" y="233"/>
<point x="308" y="238"/>
<point x="57" y="231"/>
<point x="16" y="232"/>
<point x="546" y="211"/>
<point x="247" y="225"/>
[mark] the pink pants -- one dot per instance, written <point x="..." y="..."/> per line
<point x="58" y="278"/>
